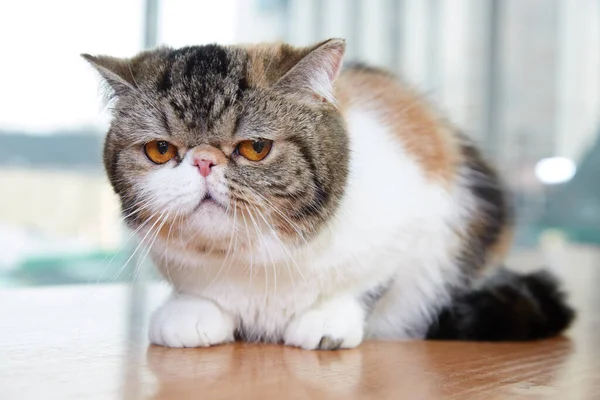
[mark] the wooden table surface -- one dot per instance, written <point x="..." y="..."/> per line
<point x="90" y="342"/>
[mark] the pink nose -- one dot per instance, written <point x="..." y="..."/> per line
<point x="204" y="166"/>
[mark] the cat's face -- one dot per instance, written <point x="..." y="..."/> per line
<point x="210" y="144"/>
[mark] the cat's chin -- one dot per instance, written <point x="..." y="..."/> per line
<point x="210" y="213"/>
<point x="208" y="203"/>
<point x="211" y="219"/>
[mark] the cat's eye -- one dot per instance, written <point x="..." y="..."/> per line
<point x="255" y="150"/>
<point x="160" y="151"/>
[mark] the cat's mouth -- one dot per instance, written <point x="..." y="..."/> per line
<point x="209" y="201"/>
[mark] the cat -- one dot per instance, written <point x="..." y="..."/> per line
<point x="289" y="200"/>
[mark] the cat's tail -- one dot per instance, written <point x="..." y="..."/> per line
<point x="507" y="307"/>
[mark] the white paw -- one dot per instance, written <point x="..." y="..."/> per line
<point x="337" y="324"/>
<point x="190" y="322"/>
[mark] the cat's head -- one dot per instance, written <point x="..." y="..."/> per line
<point x="211" y="142"/>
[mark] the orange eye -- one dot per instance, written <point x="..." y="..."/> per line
<point x="255" y="150"/>
<point x="159" y="151"/>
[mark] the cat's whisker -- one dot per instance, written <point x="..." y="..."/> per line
<point x="182" y="245"/>
<point x="266" y="270"/>
<point x="137" y="248"/>
<point x="143" y="244"/>
<point x="122" y="247"/>
<point x="266" y="203"/>
<point x="165" y="253"/>
<point x="268" y="250"/>
<point x="249" y="245"/>
<point x="158" y="231"/>
<point x="235" y="227"/>
<point x="285" y="249"/>
<point x="145" y="251"/>
<point x="149" y="247"/>
<point x="141" y="206"/>
<point x="307" y="247"/>
<point x="233" y="236"/>
<point x="228" y="252"/>
<point x="293" y="225"/>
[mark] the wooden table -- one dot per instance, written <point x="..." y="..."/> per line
<point x="90" y="342"/>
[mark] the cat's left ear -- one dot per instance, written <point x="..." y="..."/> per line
<point x="117" y="72"/>
<point x="315" y="73"/>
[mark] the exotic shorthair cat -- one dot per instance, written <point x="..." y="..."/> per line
<point x="287" y="200"/>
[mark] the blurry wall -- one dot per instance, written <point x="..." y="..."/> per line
<point x="61" y="203"/>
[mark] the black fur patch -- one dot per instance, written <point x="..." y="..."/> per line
<point x="507" y="307"/>
<point x="201" y="82"/>
<point x="165" y="82"/>
<point x="490" y="194"/>
<point x="492" y="214"/>
<point x="242" y="86"/>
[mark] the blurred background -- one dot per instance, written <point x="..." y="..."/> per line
<point x="520" y="77"/>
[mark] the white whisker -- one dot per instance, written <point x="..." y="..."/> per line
<point x="137" y="248"/>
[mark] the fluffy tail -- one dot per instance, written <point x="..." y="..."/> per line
<point x="507" y="307"/>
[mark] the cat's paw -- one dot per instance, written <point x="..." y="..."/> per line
<point x="190" y="322"/>
<point x="338" y="324"/>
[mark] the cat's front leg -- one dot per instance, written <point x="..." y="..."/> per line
<point x="189" y="321"/>
<point x="334" y="324"/>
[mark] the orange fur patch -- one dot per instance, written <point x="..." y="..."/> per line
<point x="425" y="137"/>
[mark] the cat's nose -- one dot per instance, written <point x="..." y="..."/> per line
<point x="204" y="165"/>
<point x="205" y="157"/>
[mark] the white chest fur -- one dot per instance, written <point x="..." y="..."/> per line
<point x="393" y="227"/>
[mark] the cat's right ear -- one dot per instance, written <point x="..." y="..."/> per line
<point x="117" y="72"/>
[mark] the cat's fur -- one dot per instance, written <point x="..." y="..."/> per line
<point x="370" y="217"/>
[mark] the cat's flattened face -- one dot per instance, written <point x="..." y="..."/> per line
<point x="194" y="143"/>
